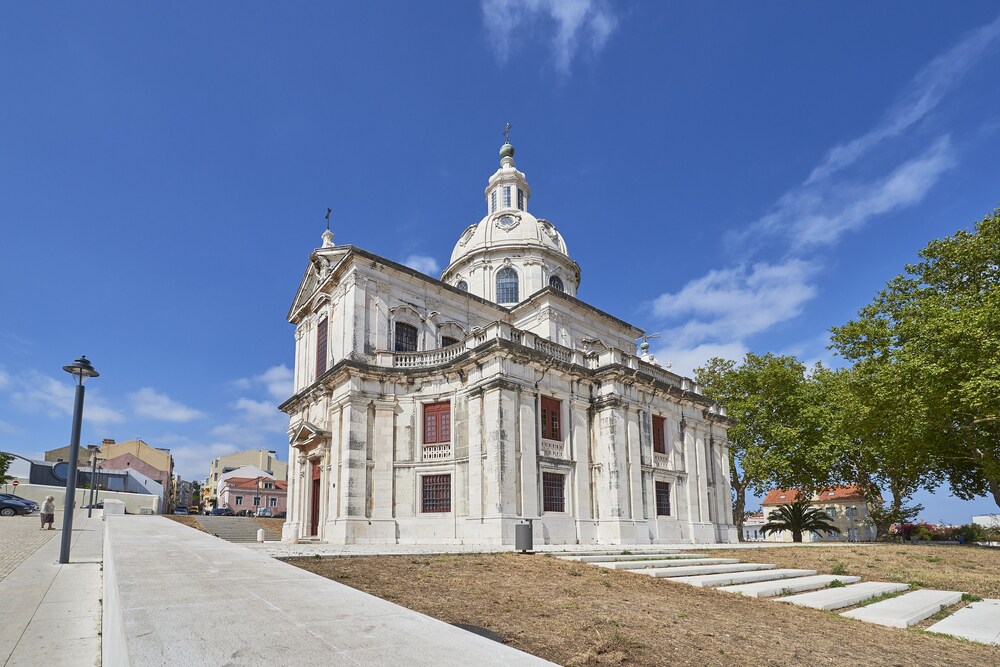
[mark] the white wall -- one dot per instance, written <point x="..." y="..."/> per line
<point x="37" y="492"/>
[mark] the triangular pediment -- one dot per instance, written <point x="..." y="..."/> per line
<point x="306" y="433"/>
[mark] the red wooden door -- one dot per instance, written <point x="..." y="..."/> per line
<point x="314" y="500"/>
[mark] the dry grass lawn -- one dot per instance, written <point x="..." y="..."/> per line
<point x="576" y="614"/>
<point x="968" y="569"/>
<point x="272" y="526"/>
<point x="189" y="520"/>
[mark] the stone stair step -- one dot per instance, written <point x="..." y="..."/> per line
<point x="837" y="598"/>
<point x="728" y="579"/>
<point x="905" y="610"/>
<point x="701" y="569"/>
<point x="685" y="562"/>
<point x="766" y="589"/>
<point x="620" y="558"/>
<point x="977" y="621"/>
<point x="608" y="552"/>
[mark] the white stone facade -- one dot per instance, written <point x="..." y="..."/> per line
<point x="535" y="409"/>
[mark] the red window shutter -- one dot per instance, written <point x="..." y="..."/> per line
<point x="430" y="426"/>
<point x="551" y="411"/>
<point x="437" y="422"/>
<point x="321" y="347"/>
<point x="659" y="441"/>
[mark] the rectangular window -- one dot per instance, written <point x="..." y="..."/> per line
<point x="436" y="493"/>
<point x="493" y="201"/>
<point x="520" y="199"/>
<point x="506" y="196"/>
<point x="268" y="485"/>
<point x="551" y="422"/>
<point x="553" y="492"/>
<point x="662" y="498"/>
<point x="851" y="511"/>
<point x="239" y="500"/>
<point x="831" y="512"/>
<point x="256" y="501"/>
<point x="321" y="347"/>
<point x="659" y="435"/>
<point x="273" y="502"/>
<point x="448" y="341"/>
<point x="406" y="337"/>
<point x="437" y="423"/>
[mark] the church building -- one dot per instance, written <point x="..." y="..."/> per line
<point x="448" y="411"/>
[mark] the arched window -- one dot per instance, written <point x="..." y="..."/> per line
<point x="462" y="285"/>
<point x="507" y="285"/>
<point x="555" y="282"/>
<point x="406" y="337"/>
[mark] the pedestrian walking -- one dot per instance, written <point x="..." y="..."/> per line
<point x="48" y="512"/>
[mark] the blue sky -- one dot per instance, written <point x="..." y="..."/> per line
<point x="736" y="176"/>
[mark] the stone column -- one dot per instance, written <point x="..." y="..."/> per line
<point x="613" y="480"/>
<point x="475" y="430"/>
<point x="529" y="492"/>
<point x="579" y="451"/>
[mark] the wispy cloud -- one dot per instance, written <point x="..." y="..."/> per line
<point x="147" y="402"/>
<point x="577" y="24"/>
<point x="34" y="392"/>
<point x="423" y="263"/>
<point x="921" y="97"/>
<point x="726" y="306"/>
<point x="277" y="380"/>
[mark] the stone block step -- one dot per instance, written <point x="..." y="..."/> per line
<point x="701" y="569"/>
<point x="730" y="578"/>
<point x="620" y="558"/>
<point x="766" y="589"/>
<point x="905" y="610"/>
<point x="608" y="552"/>
<point x="837" y="598"/>
<point x="679" y="562"/>
<point x="977" y="621"/>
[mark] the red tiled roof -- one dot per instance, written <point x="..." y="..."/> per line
<point x="251" y="483"/>
<point x="835" y="494"/>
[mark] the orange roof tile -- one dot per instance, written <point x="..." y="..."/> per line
<point x="846" y="493"/>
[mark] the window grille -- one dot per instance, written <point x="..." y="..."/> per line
<point x="406" y="337"/>
<point x="551" y="423"/>
<point x="555" y="282"/>
<point x="436" y="493"/>
<point x="659" y="435"/>
<point x="507" y="285"/>
<point x="662" y="498"/>
<point x="321" y="347"/>
<point x="553" y="492"/>
<point x="437" y="423"/>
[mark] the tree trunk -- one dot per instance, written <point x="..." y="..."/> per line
<point x="739" y="510"/>
<point x="796" y="536"/>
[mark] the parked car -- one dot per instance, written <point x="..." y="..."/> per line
<point x="180" y="510"/>
<point x="264" y="512"/>
<point x="279" y="515"/>
<point x="97" y="506"/>
<point x="11" y="505"/>
<point x="222" y="511"/>
<point x="15" y="497"/>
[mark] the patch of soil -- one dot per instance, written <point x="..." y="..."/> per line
<point x="580" y="615"/>
<point x="188" y="520"/>
<point x="272" y="526"/>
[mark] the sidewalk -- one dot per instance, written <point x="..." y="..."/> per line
<point x="50" y="614"/>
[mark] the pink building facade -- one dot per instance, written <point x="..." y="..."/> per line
<point x="250" y="493"/>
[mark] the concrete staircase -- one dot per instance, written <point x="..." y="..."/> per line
<point x="979" y="621"/>
<point x="234" y="528"/>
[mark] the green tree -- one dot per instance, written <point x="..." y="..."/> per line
<point x="778" y="439"/>
<point x="798" y="517"/>
<point x="5" y="461"/>
<point x="937" y="327"/>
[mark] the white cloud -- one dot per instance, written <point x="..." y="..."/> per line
<point x="4" y="379"/>
<point x="923" y="95"/>
<point x="35" y="392"/>
<point x="423" y="263"/>
<point x="147" y="402"/>
<point x="278" y="380"/>
<point x="577" y="23"/>
<point x="683" y="360"/>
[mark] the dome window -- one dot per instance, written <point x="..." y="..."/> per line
<point x="493" y="201"/>
<point x="555" y="282"/>
<point x="506" y="196"/>
<point x="520" y="199"/>
<point x="462" y="285"/>
<point x="507" y="291"/>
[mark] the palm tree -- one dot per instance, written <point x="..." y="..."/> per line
<point x="798" y="517"/>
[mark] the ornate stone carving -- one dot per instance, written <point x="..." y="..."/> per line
<point x="507" y="222"/>
<point x="466" y="235"/>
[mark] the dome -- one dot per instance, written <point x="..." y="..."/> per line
<point x="509" y="229"/>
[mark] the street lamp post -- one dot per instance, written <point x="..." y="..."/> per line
<point x="93" y="472"/>
<point x="82" y="369"/>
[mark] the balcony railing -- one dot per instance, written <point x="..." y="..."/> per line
<point x="435" y="452"/>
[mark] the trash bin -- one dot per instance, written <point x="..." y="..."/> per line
<point x="523" y="540"/>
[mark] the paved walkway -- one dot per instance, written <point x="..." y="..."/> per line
<point x="19" y="538"/>
<point x="51" y="613"/>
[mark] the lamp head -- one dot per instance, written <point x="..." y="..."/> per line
<point x="81" y="368"/>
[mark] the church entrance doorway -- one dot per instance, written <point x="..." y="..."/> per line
<point x="314" y="499"/>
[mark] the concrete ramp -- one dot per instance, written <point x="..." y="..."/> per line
<point x="712" y="580"/>
<point x="766" y="589"/>
<point x="906" y="610"/>
<point x="680" y="562"/>
<point x="837" y="598"/>
<point x="176" y="596"/>
<point x="978" y="622"/>
<point x="702" y="569"/>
